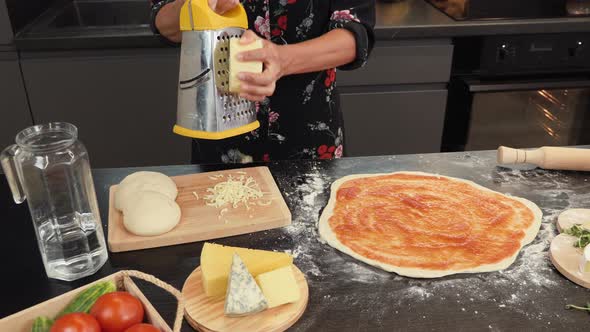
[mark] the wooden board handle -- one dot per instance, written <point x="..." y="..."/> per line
<point x="548" y="157"/>
<point x="165" y="286"/>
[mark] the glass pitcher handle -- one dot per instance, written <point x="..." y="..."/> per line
<point x="12" y="175"/>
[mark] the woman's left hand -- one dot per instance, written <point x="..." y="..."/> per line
<point x="256" y="87"/>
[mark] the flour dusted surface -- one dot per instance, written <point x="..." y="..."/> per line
<point x="528" y="291"/>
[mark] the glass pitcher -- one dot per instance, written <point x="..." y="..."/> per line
<point x="49" y="167"/>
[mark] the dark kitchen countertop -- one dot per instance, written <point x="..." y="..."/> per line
<point x="402" y="20"/>
<point x="347" y="295"/>
<point x="96" y="38"/>
<point x="419" y="19"/>
<point x="62" y="27"/>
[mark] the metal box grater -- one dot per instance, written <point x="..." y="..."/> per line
<point x="206" y="108"/>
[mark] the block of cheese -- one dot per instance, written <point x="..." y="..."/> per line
<point x="216" y="264"/>
<point x="279" y="286"/>
<point x="585" y="260"/>
<point x="243" y="296"/>
<point x="236" y="66"/>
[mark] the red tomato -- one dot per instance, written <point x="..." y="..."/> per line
<point x="142" y="328"/>
<point x="76" y="322"/>
<point x="117" y="311"/>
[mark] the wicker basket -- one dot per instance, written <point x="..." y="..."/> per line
<point x="22" y="321"/>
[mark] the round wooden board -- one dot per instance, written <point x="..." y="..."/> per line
<point x="206" y="314"/>
<point x="570" y="217"/>
<point x="566" y="259"/>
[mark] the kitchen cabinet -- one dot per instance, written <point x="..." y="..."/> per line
<point x="403" y="62"/>
<point x="5" y="28"/>
<point x="122" y="101"/>
<point x="396" y="103"/>
<point x="382" y="121"/>
<point x="14" y="109"/>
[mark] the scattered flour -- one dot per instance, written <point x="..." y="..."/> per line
<point x="303" y="230"/>
<point x="514" y="290"/>
<point x="417" y="292"/>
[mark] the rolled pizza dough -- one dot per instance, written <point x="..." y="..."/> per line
<point x="151" y="213"/>
<point x="134" y="183"/>
<point x="327" y="233"/>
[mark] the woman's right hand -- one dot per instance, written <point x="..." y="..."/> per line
<point x="223" y="6"/>
<point x="168" y="18"/>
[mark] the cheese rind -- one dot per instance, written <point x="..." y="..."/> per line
<point x="236" y="66"/>
<point x="279" y="286"/>
<point x="216" y="263"/>
<point x="585" y="260"/>
<point x="243" y="296"/>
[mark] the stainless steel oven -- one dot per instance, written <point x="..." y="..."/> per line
<point x="519" y="91"/>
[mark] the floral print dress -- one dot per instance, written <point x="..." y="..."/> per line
<point x="302" y="120"/>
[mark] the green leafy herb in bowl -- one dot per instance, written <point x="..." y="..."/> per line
<point x="583" y="235"/>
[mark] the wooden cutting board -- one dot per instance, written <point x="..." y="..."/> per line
<point x="566" y="259"/>
<point x="206" y="313"/>
<point x="199" y="221"/>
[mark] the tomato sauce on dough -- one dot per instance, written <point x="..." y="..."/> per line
<point x="428" y="222"/>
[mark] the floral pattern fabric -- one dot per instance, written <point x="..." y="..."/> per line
<point x="302" y="120"/>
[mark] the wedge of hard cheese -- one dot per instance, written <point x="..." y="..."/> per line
<point x="236" y="66"/>
<point x="216" y="263"/>
<point x="279" y="286"/>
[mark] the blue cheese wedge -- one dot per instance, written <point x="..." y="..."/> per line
<point x="243" y="296"/>
<point x="585" y="261"/>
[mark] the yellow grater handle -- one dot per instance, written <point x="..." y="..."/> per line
<point x="197" y="15"/>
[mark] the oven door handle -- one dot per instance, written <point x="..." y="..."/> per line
<point x="479" y="86"/>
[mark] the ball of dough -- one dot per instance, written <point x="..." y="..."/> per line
<point x="143" y="181"/>
<point x="151" y="214"/>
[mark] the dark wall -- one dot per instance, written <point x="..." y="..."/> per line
<point x="22" y="12"/>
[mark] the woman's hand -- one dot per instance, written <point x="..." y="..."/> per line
<point x="168" y="21"/>
<point x="223" y="6"/>
<point x="168" y="18"/>
<point x="256" y="87"/>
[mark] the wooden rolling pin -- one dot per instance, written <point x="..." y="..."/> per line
<point x="547" y="157"/>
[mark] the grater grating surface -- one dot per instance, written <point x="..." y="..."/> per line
<point x="234" y="107"/>
<point x="204" y="101"/>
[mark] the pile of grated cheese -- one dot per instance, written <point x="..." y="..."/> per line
<point x="234" y="191"/>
